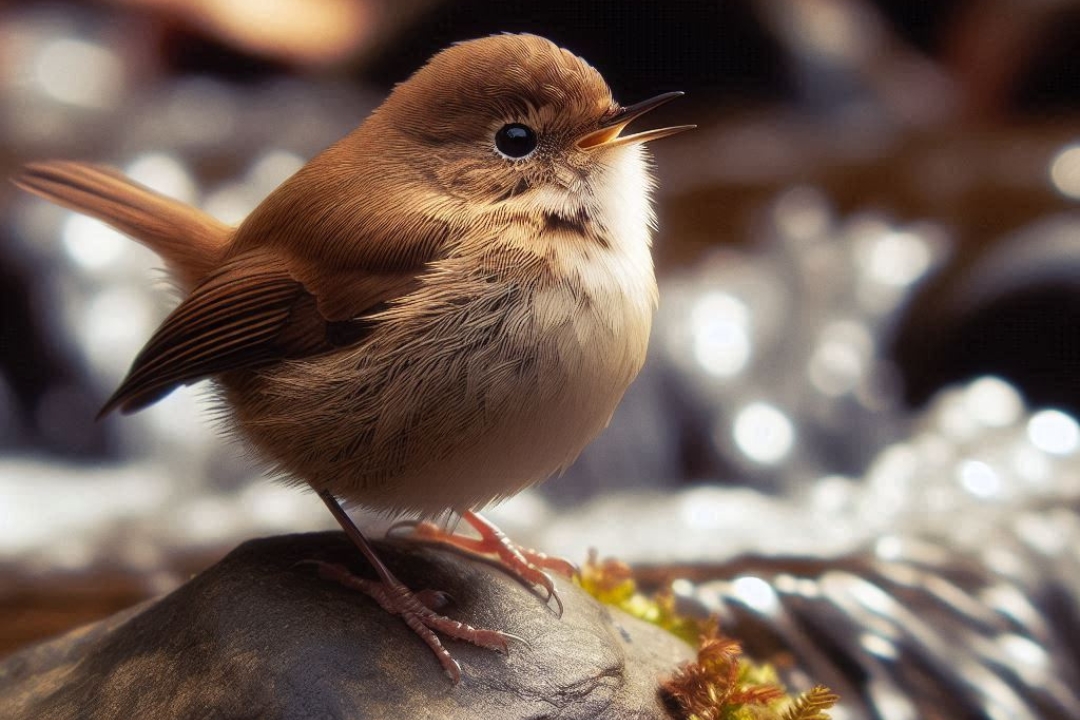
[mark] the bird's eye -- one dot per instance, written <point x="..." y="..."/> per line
<point x="515" y="141"/>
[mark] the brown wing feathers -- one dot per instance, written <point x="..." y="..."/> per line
<point x="248" y="313"/>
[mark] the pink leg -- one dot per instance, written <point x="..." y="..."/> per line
<point x="522" y="563"/>
<point x="416" y="609"/>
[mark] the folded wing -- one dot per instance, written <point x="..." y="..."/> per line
<point x="248" y="313"/>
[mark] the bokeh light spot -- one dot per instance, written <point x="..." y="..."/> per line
<point x="979" y="479"/>
<point x="79" y="73"/>
<point x="755" y="592"/>
<point x="1065" y="171"/>
<point x="763" y="433"/>
<point x="721" y="334"/>
<point x="164" y="173"/>
<point x="841" y="358"/>
<point x="898" y="259"/>
<point x="91" y="243"/>
<point x="993" y="402"/>
<point x="1054" y="432"/>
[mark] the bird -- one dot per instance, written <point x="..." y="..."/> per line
<point x="439" y="310"/>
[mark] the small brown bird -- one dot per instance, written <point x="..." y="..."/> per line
<point x="438" y="311"/>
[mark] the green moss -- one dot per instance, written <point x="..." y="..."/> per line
<point x="721" y="684"/>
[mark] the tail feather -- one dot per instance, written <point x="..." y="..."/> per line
<point x="190" y="241"/>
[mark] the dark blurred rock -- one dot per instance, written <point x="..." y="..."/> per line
<point x="1012" y="311"/>
<point x="258" y="636"/>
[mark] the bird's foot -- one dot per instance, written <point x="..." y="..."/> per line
<point x="525" y="565"/>
<point x="419" y="611"/>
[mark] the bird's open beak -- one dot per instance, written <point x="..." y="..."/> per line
<point x="608" y="134"/>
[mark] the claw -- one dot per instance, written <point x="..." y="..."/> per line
<point x="552" y="594"/>
<point x="418" y="612"/>
<point x="525" y="565"/>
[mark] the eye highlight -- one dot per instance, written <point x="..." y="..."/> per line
<point x="515" y="141"/>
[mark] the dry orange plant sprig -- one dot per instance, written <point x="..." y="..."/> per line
<point x="721" y="684"/>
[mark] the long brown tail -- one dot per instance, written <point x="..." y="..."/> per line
<point x="190" y="241"/>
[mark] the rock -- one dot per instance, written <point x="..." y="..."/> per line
<point x="258" y="636"/>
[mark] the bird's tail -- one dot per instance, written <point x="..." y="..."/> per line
<point x="190" y="241"/>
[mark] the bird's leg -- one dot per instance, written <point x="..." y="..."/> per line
<point x="416" y="609"/>
<point x="524" y="564"/>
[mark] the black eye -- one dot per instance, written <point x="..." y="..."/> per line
<point x="515" y="140"/>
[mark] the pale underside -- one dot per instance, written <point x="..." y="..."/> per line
<point x="490" y="377"/>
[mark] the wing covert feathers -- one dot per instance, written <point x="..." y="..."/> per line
<point x="247" y="313"/>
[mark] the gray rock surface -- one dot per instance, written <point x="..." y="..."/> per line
<point x="258" y="636"/>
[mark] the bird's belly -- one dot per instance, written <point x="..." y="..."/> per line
<point x="444" y="411"/>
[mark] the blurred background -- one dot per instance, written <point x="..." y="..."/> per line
<point x="862" y="390"/>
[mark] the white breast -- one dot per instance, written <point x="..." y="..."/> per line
<point x="618" y="198"/>
<point x="601" y="343"/>
<point x="586" y="336"/>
